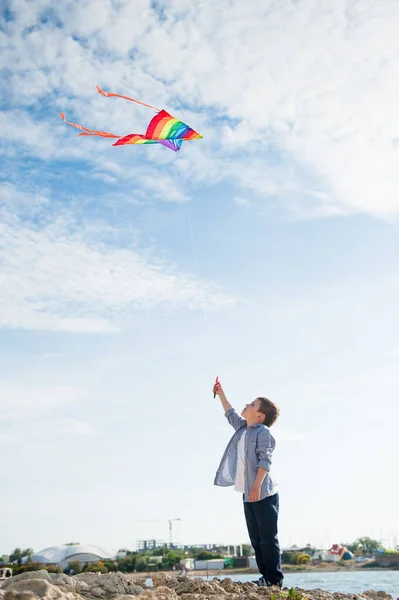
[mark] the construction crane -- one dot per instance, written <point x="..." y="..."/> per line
<point x="170" y="529"/>
<point x="170" y="521"/>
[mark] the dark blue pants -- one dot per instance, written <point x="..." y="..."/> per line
<point x="261" y="518"/>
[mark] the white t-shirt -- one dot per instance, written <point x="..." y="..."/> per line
<point x="240" y="474"/>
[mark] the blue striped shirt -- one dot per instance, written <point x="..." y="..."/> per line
<point x="259" y="446"/>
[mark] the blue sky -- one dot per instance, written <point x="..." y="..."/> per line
<point x="115" y="317"/>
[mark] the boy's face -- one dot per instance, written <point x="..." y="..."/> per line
<point x="252" y="414"/>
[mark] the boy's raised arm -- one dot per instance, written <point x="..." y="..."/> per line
<point x="235" y="420"/>
<point x="218" y="390"/>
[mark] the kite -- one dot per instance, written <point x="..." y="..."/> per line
<point x="162" y="129"/>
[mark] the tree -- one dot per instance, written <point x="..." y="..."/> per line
<point x="289" y="558"/>
<point x="27" y="552"/>
<point x="17" y="555"/>
<point x="127" y="564"/>
<point x="75" y="566"/>
<point x="364" y="545"/>
<point x="72" y="544"/>
<point x="141" y="564"/>
<point x="205" y="555"/>
<point x="303" y="559"/>
<point x="172" y="558"/>
<point x="310" y="547"/>
<point x="97" y="567"/>
<point x="246" y="550"/>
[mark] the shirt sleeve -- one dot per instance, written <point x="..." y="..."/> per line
<point x="264" y="449"/>
<point x="234" y="419"/>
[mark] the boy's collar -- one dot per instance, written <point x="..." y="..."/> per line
<point x="255" y="425"/>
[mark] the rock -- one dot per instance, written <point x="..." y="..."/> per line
<point x="161" y="579"/>
<point x="13" y="595"/>
<point x="42" y="574"/>
<point x="184" y="588"/>
<point x="107" y="586"/>
<point x="373" y="595"/>
<point x="165" y="593"/>
<point x="137" y="580"/>
<point x="170" y="582"/>
<point x="61" y="581"/>
<point x="316" y="594"/>
<point x="214" y="588"/>
<point x="249" y="586"/>
<point x="41" y="585"/>
<point x="230" y="586"/>
<point x="41" y="588"/>
<point x="147" y="595"/>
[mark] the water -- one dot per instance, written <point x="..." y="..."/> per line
<point x="341" y="581"/>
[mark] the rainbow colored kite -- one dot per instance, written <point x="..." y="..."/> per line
<point x="163" y="129"/>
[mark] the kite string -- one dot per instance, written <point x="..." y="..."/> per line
<point x="190" y="228"/>
<point x="211" y="355"/>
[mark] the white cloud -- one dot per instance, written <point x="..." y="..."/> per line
<point x="164" y="188"/>
<point x="242" y="202"/>
<point x="281" y="436"/>
<point x="314" y="87"/>
<point x="287" y="437"/>
<point x="58" y="274"/>
<point x="18" y="400"/>
<point x="77" y="427"/>
<point x="317" y="83"/>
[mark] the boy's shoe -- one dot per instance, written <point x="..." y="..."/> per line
<point x="261" y="582"/>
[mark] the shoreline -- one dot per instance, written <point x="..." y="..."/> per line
<point x="249" y="571"/>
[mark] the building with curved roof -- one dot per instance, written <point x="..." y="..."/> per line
<point x="62" y="555"/>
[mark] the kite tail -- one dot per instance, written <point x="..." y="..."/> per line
<point x="86" y="131"/>
<point x="109" y="94"/>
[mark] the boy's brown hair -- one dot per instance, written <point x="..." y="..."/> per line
<point x="269" y="409"/>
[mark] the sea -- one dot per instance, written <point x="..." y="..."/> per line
<point x="339" y="581"/>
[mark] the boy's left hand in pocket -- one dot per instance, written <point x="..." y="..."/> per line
<point x="254" y="494"/>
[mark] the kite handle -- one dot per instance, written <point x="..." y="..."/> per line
<point x="216" y="382"/>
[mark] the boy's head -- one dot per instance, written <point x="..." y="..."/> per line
<point x="261" y="410"/>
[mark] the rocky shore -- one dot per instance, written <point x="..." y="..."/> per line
<point x="41" y="585"/>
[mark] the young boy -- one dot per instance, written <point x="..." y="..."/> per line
<point x="246" y="465"/>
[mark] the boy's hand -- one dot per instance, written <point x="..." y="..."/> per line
<point x="217" y="389"/>
<point x="254" y="494"/>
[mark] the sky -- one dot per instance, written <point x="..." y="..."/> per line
<point x="265" y="253"/>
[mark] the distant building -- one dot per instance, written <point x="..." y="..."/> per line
<point x="327" y="556"/>
<point x="63" y="555"/>
<point x="305" y="549"/>
<point x="341" y="551"/>
<point x="252" y="564"/>
<point x="214" y="564"/>
<point x="149" y="545"/>
<point x="187" y="564"/>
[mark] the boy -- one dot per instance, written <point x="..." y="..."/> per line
<point x="246" y="465"/>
